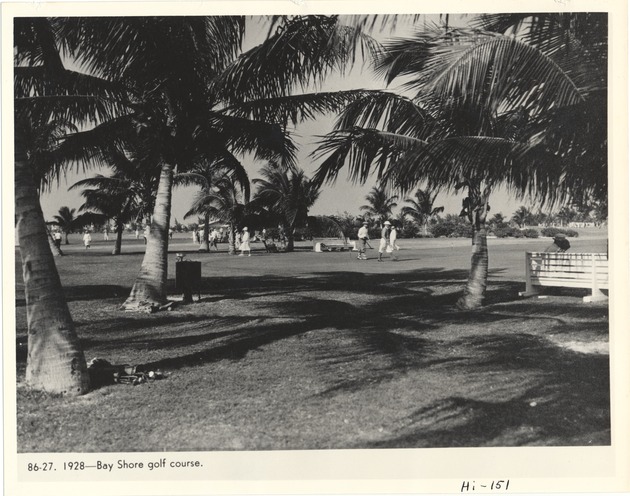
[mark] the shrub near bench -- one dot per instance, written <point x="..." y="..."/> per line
<point x="569" y="270"/>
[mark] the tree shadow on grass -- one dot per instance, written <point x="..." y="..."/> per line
<point x="569" y="404"/>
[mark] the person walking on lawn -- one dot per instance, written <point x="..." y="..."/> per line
<point x="393" y="247"/>
<point x="363" y="240"/>
<point x="384" y="240"/>
<point x="245" y="243"/>
<point x="87" y="239"/>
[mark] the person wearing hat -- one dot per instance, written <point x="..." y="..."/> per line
<point x="384" y="240"/>
<point x="560" y="244"/>
<point x="363" y="240"/>
<point x="245" y="243"/>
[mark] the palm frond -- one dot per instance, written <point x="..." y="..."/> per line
<point x="365" y="151"/>
<point x="301" y="52"/>
<point x="294" y="109"/>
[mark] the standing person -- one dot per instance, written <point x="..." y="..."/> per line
<point x="214" y="235"/>
<point x="170" y="233"/>
<point x="363" y="240"/>
<point x="393" y="247"/>
<point x="87" y="239"/>
<point x="145" y="234"/>
<point x="57" y="238"/>
<point x="106" y="234"/>
<point x="245" y="243"/>
<point x="194" y="235"/>
<point x="137" y="233"/>
<point x="384" y="240"/>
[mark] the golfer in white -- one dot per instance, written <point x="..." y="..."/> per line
<point x="384" y="240"/>
<point x="245" y="243"/>
<point x="393" y="247"/>
<point x="363" y="239"/>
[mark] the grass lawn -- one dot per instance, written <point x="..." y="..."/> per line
<point x="314" y="351"/>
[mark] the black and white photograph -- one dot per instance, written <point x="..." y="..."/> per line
<point x="309" y="237"/>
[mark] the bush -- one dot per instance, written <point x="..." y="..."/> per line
<point x="530" y="233"/>
<point x="507" y="232"/>
<point x="550" y="232"/>
<point x="451" y="226"/>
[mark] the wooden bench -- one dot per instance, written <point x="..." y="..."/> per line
<point x="568" y="270"/>
<point x="321" y="245"/>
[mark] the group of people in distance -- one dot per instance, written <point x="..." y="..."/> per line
<point x="387" y="243"/>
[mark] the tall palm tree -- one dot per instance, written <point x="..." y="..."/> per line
<point x="45" y="92"/>
<point x="287" y="194"/>
<point x="206" y="174"/>
<point x="194" y="99"/>
<point x="379" y="204"/>
<point x="486" y="113"/>
<point x="421" y="209"/>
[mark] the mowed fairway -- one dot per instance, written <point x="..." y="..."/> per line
<point x="314" y="351"/>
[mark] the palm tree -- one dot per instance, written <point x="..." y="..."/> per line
<point x="194" y="99"/>
<point x="67" y="221"/>
<point x="522" y="216"/>
<point x="205" y="175"/>
<point x="226" y="202"/>
<point x="483" y="102"/>
<point x="422" y="209"/>
<point x="45" y="92"/>
<point x="379" y="204"/>
<point x="127" y="195"/>
<point x="287" y="194"/>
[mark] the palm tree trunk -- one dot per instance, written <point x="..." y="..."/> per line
<point x="120" y="226"/>
<point x="475" y="290"/>
<point x="54" y="249"/>
<point x="149" y="289"/>
<point x="55" y="361"/>
<point x="205" y="246"/>
<point x="231" y="239"/>
<point x="290" y="239"/>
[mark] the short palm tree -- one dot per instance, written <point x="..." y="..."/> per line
<point x="287" y="194"/>
<point x="421" y="208"/>
<point x="127" y="195"/>
<point x="379" y="205"/>
<point x="206" y="175"/>
<point x="67" y="221"/>
<point x="226" y="202"/>
<point x="522" y="216"/>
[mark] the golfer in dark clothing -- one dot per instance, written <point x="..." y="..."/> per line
<point x="560" y="244"/>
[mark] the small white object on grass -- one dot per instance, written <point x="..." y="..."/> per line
<point x="533" y="403"/>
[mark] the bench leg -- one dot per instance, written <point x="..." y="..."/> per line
<point x="596" y="293"/>
<point x="530" y="290"/>
<point x="595" y="297"/>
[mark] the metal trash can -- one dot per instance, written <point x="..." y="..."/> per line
<point x="188" y="279"/>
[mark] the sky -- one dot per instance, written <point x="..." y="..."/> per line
<point x="341" y="197"/>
